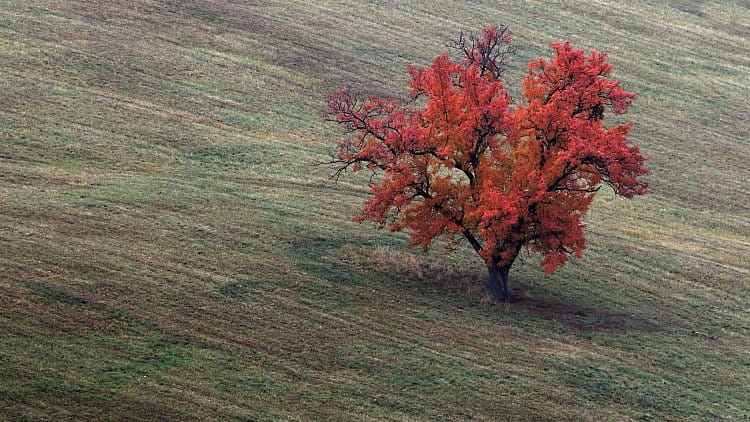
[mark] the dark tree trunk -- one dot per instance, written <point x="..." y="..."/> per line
<point x="497" y="283"/>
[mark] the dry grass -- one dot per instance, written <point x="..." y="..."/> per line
<point x="410" y="268"/>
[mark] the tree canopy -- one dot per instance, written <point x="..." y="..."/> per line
<point x="463" y="159"/>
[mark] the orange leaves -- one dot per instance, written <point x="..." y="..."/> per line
<point x="469" y="162"/>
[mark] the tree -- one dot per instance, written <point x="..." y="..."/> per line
<point x="461" y="159"/>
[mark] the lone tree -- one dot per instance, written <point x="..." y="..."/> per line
<point x="462" y="159"/>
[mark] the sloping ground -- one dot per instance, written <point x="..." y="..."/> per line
<point x="168" y="250"/>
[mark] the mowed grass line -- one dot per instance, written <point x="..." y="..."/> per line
<point x="169" y="250"/>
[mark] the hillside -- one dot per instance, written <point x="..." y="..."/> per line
<point x="169" y="250"/>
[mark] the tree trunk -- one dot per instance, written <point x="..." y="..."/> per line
<point x="497" y="283"/>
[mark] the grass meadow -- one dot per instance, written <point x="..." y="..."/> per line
<point x="169" y="250"/>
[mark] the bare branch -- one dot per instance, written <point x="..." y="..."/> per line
<point x="490" y="50"/>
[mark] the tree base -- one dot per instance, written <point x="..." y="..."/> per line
<point x="497" y="284"/>
<point x="491" y="298"/>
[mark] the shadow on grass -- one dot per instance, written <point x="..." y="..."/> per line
<point x="339" y="261"/>
<point x="583" y="318"/>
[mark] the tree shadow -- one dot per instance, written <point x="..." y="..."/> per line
<point x="585" y="318"/>
<point x="431" y="276"/>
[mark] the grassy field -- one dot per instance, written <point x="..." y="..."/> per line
<point x="169" y="251"/>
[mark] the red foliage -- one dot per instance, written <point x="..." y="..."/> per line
<point x="469" y="161"/>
